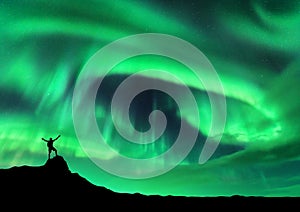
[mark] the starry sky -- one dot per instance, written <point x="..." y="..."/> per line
<point x="253" y="46"/>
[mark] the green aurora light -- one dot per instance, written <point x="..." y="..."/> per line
<point x="253" y="45"/>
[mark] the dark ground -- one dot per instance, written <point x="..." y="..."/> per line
<point x="53" y="186"/>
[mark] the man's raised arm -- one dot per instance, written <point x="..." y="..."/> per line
<point x="56" y="137"/>
<point x="44" y="139"/>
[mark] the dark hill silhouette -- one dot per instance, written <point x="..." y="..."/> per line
<point x="54" y="177"/>
<point x="53" y="183"/>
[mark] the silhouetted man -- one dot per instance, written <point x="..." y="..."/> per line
<point x="50" y="145"/>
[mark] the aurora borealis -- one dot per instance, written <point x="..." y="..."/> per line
<point x="254" y="48"/>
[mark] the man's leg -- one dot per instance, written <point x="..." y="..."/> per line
<point x="55" y="151"/>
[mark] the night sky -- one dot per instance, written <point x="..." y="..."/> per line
<point x="252" y="45"/>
